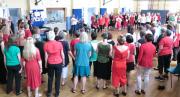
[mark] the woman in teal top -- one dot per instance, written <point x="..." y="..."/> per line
<point x="93" y="58"/>
<point x="12" y="62"/>
<point x="81" y="68"/>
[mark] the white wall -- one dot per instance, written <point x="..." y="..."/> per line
<point x="22" y="4"/>
<point x="52" y="4"/>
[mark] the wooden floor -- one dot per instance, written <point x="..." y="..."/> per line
<point x="92" y="92"/>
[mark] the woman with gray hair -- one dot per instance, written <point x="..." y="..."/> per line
<point x="61" y="38"/>
<point x="54" y="60"/>
<point x="82" y="54"/>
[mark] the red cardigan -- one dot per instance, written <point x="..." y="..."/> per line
<point x="146" y="53"/>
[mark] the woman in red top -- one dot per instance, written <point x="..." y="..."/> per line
<point x="118" y="22"/>
<point x="54" y="60"/>
<point x="132" y="20"/>
<point x="120" y="55"/>
<point x="101" y="22"/>
<point x="145" y="63"/>
<point x="164" y="54"/>
<point x="33" y="66"/>
<point x="125" y="22"/>
<point x="131" y="59"/>
<point x="107" y="21"/>
<point x="27" y="31"/>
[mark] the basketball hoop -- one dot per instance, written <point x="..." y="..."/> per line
<point x="106" y="1"/>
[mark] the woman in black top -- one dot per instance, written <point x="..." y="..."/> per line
<point x="61" y="38"/>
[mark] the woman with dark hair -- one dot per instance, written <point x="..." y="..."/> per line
<point x="93" y="58"/>
<point x="61" y="38"/>
<point x="104" y="50"/>
<point x="131" y="59"/>
<point x="164" y="55"/>
<point x="12" y="60"/>
<point x="73" y="42"/>
<point x="110" y="41"/>
<point x="40" y="44"/>
<point x="3" y="71"/>
<point x="120" y="55"/>
<point x="145" y="63"/>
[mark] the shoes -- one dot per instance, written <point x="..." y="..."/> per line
<point x="97" y="87"/>
<point x="166" y="76"/>
<point x="124" y="93"/>
<point x="161" y="87"/>
<point x="143" y="92"/>
<point x="48" y="94"/>
<point x="160" y="78"/>
<point x="116" y="94"/>
<point x="156" y="68"/>
<point x="105" y="87"/>
<point x="137" y="92"/>
<point x="73" y="90"/>
<point x="20" y="92"/>
<point x="83" y="91"/>
<point x="56" y="95"/>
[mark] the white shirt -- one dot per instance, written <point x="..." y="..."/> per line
<point x="143" y="19"/>
<point x="148" y="18"/>
<point x="74" y="21"/>
<point x="157" y="33"/>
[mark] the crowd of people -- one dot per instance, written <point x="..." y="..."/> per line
<point x="121" y="21"/>
<point x="24" y="53"/>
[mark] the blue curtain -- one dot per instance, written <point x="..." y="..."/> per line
<point x="68" y="23"/>
<point x="102" y="11"/>
<point x="77" y="13"/>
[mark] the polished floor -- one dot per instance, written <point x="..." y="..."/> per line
<point x="92" y="92"/>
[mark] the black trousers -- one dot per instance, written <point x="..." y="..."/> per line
<point x="13" y="72"/>
<point x="101" y="27"/>
<point x="54" y="69"/>
<point x="164" y="63"/>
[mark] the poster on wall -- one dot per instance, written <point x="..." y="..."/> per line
<point x="37" y="17"/>
<point x="55" y="15"/>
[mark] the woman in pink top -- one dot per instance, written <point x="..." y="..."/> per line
<point x="131" y="60"/>
<point x="54" y="60"/>
<point x="164" y="55"/>
<point x="145" y="63"/>
<point x="101" y="21"/>
<point x="120" y="55"/>
<point x="107" y="21"/>
<point x="118" y="23"/>
<point x="33" y="66"/>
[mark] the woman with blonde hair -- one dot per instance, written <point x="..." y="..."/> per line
<point x="82" y="54"/>
<point x="33" y="66"/>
